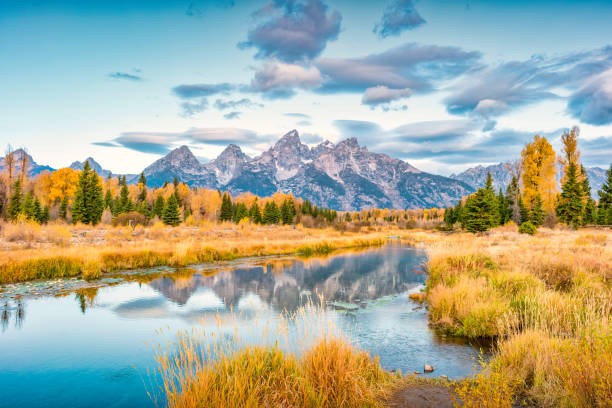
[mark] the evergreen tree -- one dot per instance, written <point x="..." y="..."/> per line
<point x="306" y="208"/>
<point x="44" y="218"/>
<point x="27" y="207"/>
<point x="95" y="199"/>
<point x="240" y="212"/>
<point x="171" y="214"/>
<point x="255" y="213"/>
<point x="142" y="182"/>
<point x="271" y="214"/>
<point x="450" y="217"/>
<point x="480" y="212"/>
<point x="124" y="203"/>
<point x="108" y="200"/>
<point x="604" y="208"/>
<point x="589" y="215"/>
<point x="504" y="214"/>
<point x="15" y="201"/>
<point x="37" y="211"/>
<point x="158" y="207"/>
<point x="348" y="217"/>
<point x="537" y="213"/>
<point x="175" y="182"/>
<point x="63" y="209"/>
<point x="570" y="207"/>
<point x="88" y="202"/>
<point x="227" y="210"/>
<point x="287" y="211"/>
<point x="482" y="209"/>
<point x="523" y="212"/>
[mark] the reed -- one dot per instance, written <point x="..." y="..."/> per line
<point x="292" y="363"/>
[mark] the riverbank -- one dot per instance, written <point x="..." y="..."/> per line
<point x="29" y="252"/>
<point x="546" y="300"/>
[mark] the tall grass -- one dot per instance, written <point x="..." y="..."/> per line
<point x="292" y="362"/>
<point x="95" y="251"/>
<point x="546" y="299"/>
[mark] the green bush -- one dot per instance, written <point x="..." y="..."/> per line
<point x="528" y="228"/>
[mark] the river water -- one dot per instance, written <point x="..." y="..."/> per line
<point x="72" y="343"/>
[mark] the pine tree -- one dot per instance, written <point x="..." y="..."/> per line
<point x="158" y="206"/>
<point x="255" y="213"/>
<point x="589" y="215"/>
<point x="28" y="206"/>
<point x="15" y="201"/>
<point x="537" y="213"/>
<point x="504" y="215"/>
<point x="88" y="202"/>
<point x="271" y="214"/>
<point x="175" y="182"/>
<point x="63" y="209"/>
<point x="95" y="203"/>
<point x="37" y="211"/>
<point x="523" y="212"/>
<point x="142" y="182"/>
<point x="227" y="210"/>
<point x="124" y="203"/>
<point x="287" y="211"/>
<point x="108" y="200"/>
<point x="604" y="208"/>
<point x="570" y="206"/>
<point x="240" y="212"/>
<point x="171" y="214"/>
<point x="44" y="218"/>
<point x="481" y="211"/>
<point x="306" y="208"/>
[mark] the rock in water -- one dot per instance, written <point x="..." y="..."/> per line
<point x="428" y="368"/>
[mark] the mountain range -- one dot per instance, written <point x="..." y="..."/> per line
<point x="502" y="176"/>
<point x="343" y="176"/>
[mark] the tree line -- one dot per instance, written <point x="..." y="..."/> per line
<point x="532" y="199"/>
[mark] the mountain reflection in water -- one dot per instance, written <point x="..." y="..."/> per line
<point x="93" y="340"/>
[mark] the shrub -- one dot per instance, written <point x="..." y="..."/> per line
<point x="132" y="219"/>
<point x="528" y="228"/>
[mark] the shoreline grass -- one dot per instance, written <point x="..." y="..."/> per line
<point x="123" y="249"/>
<point x="545" y="299"/>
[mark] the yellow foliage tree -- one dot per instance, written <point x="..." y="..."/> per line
<point x="571" y="154"/>
<point x="63" y="183"/>
<point x="538" y="173"/>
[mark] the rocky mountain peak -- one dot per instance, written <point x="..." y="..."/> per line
<point x="351" y="144"/>
<point x="228" y="164"/>
<point x="77" y="165"/>
<point x="182" y="156"/>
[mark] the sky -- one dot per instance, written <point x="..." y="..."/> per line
<point x="444" y="85"/>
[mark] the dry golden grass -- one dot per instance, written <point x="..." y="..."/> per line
<point x="62" y="251"/>
<point x="547" y="299"/>
<point x="205" y="369"/>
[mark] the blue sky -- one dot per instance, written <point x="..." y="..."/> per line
<point x="441" y="84"/>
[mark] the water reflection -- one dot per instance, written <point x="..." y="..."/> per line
<point x="18" y="310"/>
<point x="286" y="285"/>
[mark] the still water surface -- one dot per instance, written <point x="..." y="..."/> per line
<point x="72" y="343"/>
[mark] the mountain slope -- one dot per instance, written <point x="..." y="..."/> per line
<point x="33" y="167"/>
<point x="345" y="176"/>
